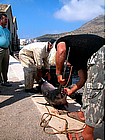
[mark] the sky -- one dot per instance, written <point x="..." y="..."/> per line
<point x="39" y="17"/>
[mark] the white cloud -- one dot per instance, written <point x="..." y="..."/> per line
<point x="75" y="10"/>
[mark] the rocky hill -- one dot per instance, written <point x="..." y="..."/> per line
<point x="95" y="26"/>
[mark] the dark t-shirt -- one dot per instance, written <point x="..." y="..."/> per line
<point x="81" y="48"/>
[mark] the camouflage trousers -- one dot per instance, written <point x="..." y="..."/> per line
<point x="94" y="89"/>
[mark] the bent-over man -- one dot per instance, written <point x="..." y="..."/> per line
<point x="32" y="57"/>
<point x="86" y="55"/>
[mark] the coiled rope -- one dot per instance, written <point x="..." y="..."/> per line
<point x="46" y="118"/>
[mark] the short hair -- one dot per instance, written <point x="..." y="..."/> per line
<point x="2" y="14"/>
<point x="52" y="41"/>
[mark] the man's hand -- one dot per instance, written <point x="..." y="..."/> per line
<point x="48" y="75"/>
<point x="39" y="73"/>
<point x="61" y="80"/>
<point x="67" y="91"/>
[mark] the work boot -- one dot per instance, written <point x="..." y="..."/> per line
<point x="6" y="84"/>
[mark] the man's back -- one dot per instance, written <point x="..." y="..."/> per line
<point x="81" y="47"/>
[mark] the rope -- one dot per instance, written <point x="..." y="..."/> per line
<point x="45" y="124"/>
<point x="69" y="77"/>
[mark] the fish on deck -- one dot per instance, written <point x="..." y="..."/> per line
<point x="54" y="96"/>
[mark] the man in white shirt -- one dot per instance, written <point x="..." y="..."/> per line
<point x="32" y="57"/>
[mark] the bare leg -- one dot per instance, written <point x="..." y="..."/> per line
<point x="81" y="115"/>
<point x="88" y="133"/>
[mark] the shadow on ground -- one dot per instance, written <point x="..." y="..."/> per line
<point x="10" y="95"/>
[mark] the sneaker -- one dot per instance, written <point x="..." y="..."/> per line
<point x="32" y="90"/>
<point x="7" y="84"/>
